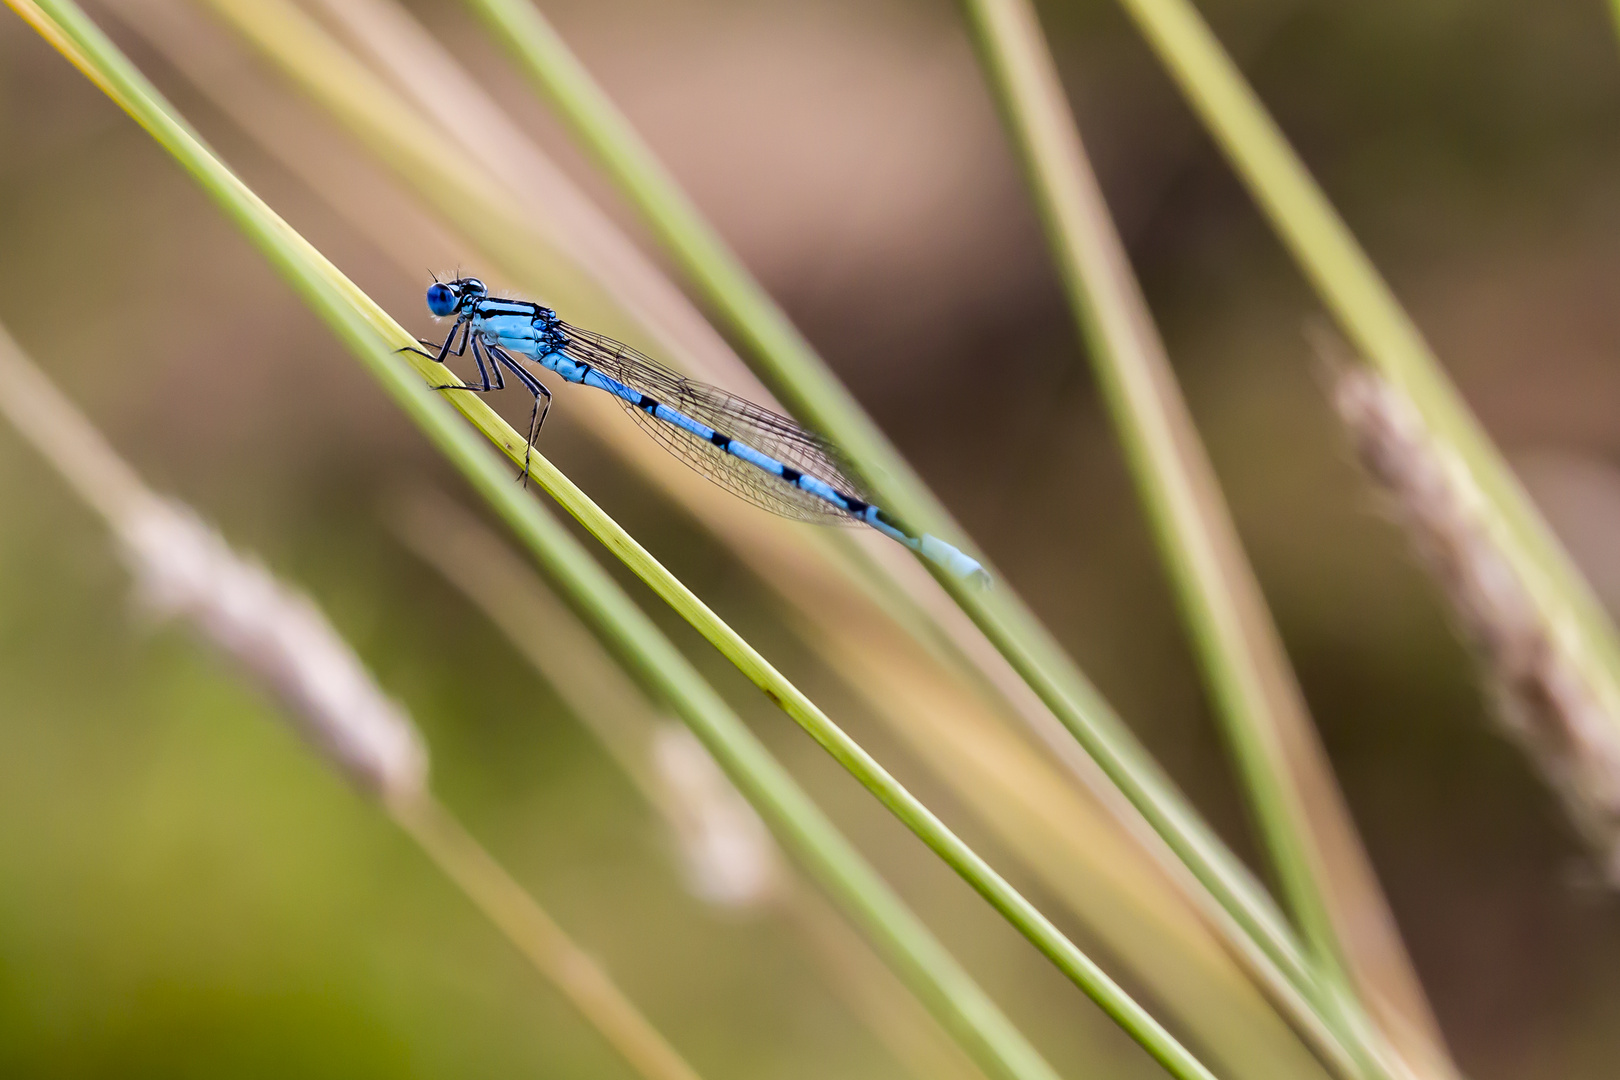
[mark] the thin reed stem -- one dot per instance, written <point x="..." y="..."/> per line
<point x="495" y="580"/>
<point x="280" y="641"/>
<point x="373" y="337"/>
<point x="795" y="562"/>
<point x="1382" y="332"/>
<point x="1173" y="477"/>
<point x="1290" y="786"/>
<point x="502" y="585"/>
<point x="1378" y="327"/>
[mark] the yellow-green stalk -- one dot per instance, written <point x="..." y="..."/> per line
<point x="800" y="377"/>
<point x="727" y="856"/>
<point x="376" y="340"/>
<point x="1293" y="797"/>
<point x="281" y="642"/>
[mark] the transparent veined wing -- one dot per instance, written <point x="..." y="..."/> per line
<point x="732" y="416"/>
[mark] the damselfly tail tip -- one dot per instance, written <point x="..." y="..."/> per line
<point x="961" y="566"/>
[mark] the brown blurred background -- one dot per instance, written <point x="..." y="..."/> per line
<point x="183" y="891"/>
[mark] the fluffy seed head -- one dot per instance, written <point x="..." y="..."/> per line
<point x="1543" y="699"/>
<point x="184" y="569"/>
<point x="727" y="853"/>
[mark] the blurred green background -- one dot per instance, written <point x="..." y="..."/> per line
<point x="184" y="891"/>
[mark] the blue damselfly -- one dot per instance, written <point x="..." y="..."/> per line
<point x="750" y="451"/>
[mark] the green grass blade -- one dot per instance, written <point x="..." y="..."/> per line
<point x="386" y="761"/>
<point x="802" y="379"/>
<point x="498" y="582"/>
<point x="1173" y="477"/>
<point x="1370" y="315"/>
<point x="373" y="338"/>
<point x="1291" y="789"/>
<point x="1382" y="332"/>
<point x="1085" y="857"/>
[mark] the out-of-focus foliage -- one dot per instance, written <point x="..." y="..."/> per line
<point x="184" y="891"/>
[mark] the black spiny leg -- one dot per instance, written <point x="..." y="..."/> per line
<point x="465" y="329"/>
<point x="444" y="350"/>
<point x="500" y="357"/>
<point x="484" y="386"/>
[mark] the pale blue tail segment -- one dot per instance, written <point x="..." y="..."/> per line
<point x="949" y="558"/>
<point x="955" y="562"/>
<point x="759" y="455"/>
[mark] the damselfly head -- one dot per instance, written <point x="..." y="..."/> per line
<point x="447" y="297"/>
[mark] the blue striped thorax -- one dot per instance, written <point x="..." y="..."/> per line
<point x="517" y="325"/>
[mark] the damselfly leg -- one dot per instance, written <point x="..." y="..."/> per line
<point x="465" y="330"/>
<point x="542" y="397"/>
<point x="498" y="358"/>
<point x="462" y="328"/>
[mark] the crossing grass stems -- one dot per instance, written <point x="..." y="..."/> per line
<point x="368" y="332"/>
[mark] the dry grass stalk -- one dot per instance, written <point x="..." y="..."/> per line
<point x="805" y="565"/>
<point x="184" y="569"/>
<point x="1540" y="696"/>
<point x="727" y="855"/>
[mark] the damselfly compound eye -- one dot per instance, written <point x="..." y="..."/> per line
<point x="441" y="300"/>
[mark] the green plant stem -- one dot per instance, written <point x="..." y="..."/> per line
<point x="95" y="472"/>
<point x="373" y="337"/>
<point x="1244" y="666"/>
<point x="1382" y="332"/>
<point x="1384" y="335"/>
<point x="1173" y="478"/>
<point x="313" y="64"/>
<point x="803" y="380"/>
<point x="330" y="78"/>
<point x="602" y="696"/>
